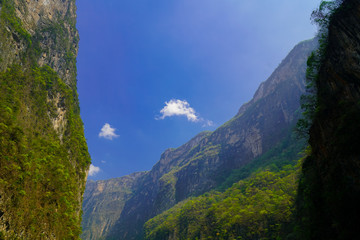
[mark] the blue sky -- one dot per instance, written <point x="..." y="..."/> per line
<point x="153" y="74"/>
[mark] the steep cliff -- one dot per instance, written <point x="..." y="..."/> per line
<point x="206" y="161"/>
<point x="43" y="152"/>
<point x="329" y="193"/>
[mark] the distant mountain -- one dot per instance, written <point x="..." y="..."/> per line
<point x="104" y="202"/>
<point x="208" y="160"/>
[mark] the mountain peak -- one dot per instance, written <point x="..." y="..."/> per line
<point x="284" y="72"/>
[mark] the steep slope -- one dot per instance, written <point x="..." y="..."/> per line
<point x="104" y="201"/>
<point x="259" y="207"/>
<point x="43" y="152"/>
<point x="205" y="162"/>
<point x="329" y="195"/>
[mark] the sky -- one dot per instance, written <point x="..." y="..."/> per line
<point x="153" y="74"/>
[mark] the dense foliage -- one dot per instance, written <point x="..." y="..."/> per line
<point x="259" y="207"/>
<point x="39" y="171"/>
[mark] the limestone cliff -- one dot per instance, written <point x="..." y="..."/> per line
<point x="329" y="193"/>
<point x="43" y="152"/>
<point x="206" y="160"/>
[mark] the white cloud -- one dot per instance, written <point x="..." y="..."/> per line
<point x="177" y="107"/>
<point x="108" y="132"/>
<point x="207" y="123"/>
<point x="93" y="170"/>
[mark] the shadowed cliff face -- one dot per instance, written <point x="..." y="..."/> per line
<point x="43" y="152"/>
<point x="206" y="160"/>
<point x="330" y="190"/>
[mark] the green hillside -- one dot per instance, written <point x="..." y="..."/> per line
<point x="259" y="207"/>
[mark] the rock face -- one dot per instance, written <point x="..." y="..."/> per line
<point x="206" y="160"/>
<point x="44" y="30"/>
<point x="43" y="152"/>
<point x="330" y="190"/>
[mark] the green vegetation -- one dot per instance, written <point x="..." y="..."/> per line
<point x="259" y="207"/>
<point x="284" y="153"/>
<point x="309" y="102"/>
<point x="39" y="171"/>
<point x="8" y="15"/>
<point x="253" y="202"/>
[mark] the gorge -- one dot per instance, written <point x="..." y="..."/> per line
<point x="253" y="177"/>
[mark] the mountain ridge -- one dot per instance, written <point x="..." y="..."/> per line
<point x="201" y="164"/>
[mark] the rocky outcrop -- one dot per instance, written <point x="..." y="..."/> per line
<point x="329" y="193"/>
<point x="202" y="164"/>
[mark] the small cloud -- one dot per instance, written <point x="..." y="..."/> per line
<point x="93" y="170"/>
<point x="108" y="132"/>
<point x="207" y="123"/>
<point x="177" y="107"/>
<point x="103" y="162"/>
